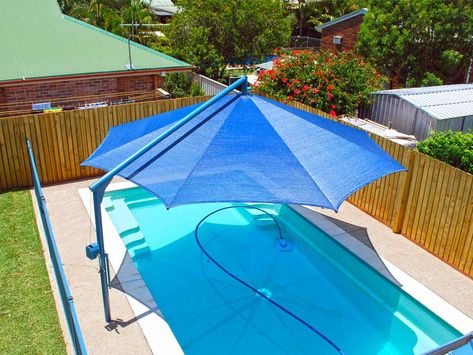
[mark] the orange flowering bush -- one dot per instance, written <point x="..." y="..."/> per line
<point x="337" y="83"/>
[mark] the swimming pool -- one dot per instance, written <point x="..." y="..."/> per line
<point x="317" y="280"/>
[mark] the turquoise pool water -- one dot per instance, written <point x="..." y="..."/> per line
<point x="318" y="280"/>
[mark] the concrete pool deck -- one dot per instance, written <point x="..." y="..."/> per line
<point x="73" y="230"/>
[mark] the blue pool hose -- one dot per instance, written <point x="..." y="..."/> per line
<point x="244" y="283"/>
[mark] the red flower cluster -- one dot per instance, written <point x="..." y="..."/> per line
<point x="323" y="80"/>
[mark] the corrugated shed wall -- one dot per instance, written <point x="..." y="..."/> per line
<point x="402" y="115"/>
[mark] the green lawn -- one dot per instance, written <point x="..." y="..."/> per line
<point x="29" y="323"/>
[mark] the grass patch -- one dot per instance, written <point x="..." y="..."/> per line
<point x="29" y="323"/>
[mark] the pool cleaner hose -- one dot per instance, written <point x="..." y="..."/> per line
<point x="261" y="293"/>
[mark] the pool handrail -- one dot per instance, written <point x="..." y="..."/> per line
<point x="72" y="321"/>
<point x="98" y="187"/>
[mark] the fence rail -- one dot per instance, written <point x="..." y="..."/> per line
<point x="432" y="204"/>
<point x="64" y="292"/>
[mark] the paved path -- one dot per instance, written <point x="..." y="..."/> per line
<point x="74" y="231"/>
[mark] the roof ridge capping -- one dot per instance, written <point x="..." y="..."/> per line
<point x="448" y="103"/>
<point x="426" y="90"/>
<point x="345" y="17"/>
<point x="124" y="40"/>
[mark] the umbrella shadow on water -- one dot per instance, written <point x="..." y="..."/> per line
<point x="128" y="280"/>
<point x="361" y="234"/>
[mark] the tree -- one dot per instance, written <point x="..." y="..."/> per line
<point x="406" y="39"/>
<point x="318" y="12"/>
<point x="66" y="5"/>
<point x="213" y="33"/>
<point x="335" y="83"/>
<point x="98" y="14"/>
<point x="110" y="15"/>
<point x="311" y="13"/>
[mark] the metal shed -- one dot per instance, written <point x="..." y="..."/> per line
<point x="418" y="111"/>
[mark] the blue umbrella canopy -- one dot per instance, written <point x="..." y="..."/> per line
<point x="246" y="148"/>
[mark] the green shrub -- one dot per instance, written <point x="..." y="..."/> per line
<point x="181" y="85"/>
<point x="429" y="79"/>
<point x="454" y="148"/>
<point x="196" y="90"/>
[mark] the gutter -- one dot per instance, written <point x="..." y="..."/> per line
<point x="48" y="79"/>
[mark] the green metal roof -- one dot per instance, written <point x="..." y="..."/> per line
<point x="37" y="41"/>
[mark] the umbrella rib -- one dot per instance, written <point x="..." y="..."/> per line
<point x="295" y="158"/>
<point x="201" y="157"/>
<point x="248" y="320"/>
<point x="379" y="152"/>
<point x="288" y="109"/>
<point x="220" y="323"/>
<point x="181" y="138"/>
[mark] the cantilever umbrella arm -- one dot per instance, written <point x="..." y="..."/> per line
<point x="98" y="188"/>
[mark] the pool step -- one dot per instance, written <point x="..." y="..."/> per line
<point x="257" y="217"/>
<point x="141" y="250"/>
<point x="133" y="238"/>
<point x="127" y="226"/>
<point x="108" y="204"/>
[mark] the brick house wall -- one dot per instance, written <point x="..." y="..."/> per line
<point x="76" y="92"/>
<point x="347" y="29"/>
<point x="133" y="83"/>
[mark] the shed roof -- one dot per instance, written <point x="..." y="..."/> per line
<point x="441" y="102"/>
<point x="163" y="7"/>
<point x="265" y="65"/>
<point x="38" y="41"/>
<point x="342" y="18"/>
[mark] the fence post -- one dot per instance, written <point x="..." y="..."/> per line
<point x="403" y="190"/>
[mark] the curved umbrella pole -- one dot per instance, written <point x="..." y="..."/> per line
<point x="97" y="249"/>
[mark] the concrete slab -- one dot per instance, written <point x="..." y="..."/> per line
<point x="74" y="230"/>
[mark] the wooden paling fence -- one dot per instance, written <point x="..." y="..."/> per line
<point x="62" y="140"/>
<point x="432" y="204"/>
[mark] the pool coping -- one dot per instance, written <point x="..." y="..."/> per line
<point x="157" y="332"/>
<point x="163" y="340"/>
